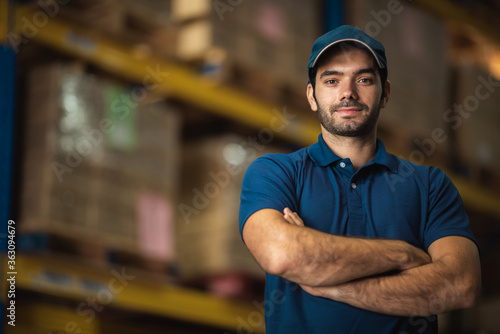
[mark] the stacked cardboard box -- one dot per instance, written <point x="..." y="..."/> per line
<point x="208" y="238"/>
<point x="476" y="119"/>
<point x="173" y="10"/>
<point x="102" y="15"/>
<point x="155" y="24"/>
<point x="260" y="46"/>
<point x="147" y="26"/>
<point x="207" y="226"/>
<point x="267" y="42"/>
<point x="100" y="163"/>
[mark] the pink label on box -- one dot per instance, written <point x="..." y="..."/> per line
<point x="411" y="34"/>
<point x="271" y="22"/>
<point x="155" y="228"/>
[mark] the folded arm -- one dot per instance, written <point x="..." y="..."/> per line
<point x="451" y="281"/>
<point x="284" y="247"/>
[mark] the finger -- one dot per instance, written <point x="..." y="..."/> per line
<point x="296" y="219"/>
<point x="289" y="219"/>
<point x="292" y="217"/>
<point x="286" y="213"/>
<point x="317" y="291"/>
<point x="310" y="290"/>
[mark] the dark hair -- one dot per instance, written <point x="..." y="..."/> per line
<point x="334" y="49"/>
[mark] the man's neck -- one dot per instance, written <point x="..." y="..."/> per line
<point x="360" y="150"/>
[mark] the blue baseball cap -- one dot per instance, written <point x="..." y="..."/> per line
<point x="348" y="33"/>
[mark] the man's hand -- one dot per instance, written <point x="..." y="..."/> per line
<point x="292" y="217"/>
<point x="416" y="257"/>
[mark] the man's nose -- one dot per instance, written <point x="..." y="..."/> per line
<point x="348" y="91"/>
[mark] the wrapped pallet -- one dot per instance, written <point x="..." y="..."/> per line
<point x="100" y="163"/>
<point x="208" y="239"/>
<point x="267" y="43"/>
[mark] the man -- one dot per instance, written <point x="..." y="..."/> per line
<point x="354" y="239"/>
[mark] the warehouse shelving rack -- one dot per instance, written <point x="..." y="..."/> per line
<point x="182" y="83"/>
<point x="163" y="77"/>
<point x="177" y="81"/>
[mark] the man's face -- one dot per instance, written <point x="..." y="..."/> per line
<point x="347" y="93"/>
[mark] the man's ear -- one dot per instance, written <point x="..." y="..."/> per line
<point x="310" y="97"/>
<point x="387" y="94"/>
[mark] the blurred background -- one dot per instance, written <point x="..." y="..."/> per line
<point x="127" y="127"/>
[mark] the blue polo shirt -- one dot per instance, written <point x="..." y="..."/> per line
<point x="388" y="198"/>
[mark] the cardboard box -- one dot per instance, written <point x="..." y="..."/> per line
<point x="91" y="154"/>
<point x="208" y="239"/>
<point x="477" y="124"/>
<point x="269" y="42"/>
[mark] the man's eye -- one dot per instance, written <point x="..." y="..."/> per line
<point x="331" y="81"/>
<point x="365" y="80"/>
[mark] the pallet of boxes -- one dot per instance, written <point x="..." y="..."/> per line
<point x="100" y="167"/>
<point x="211" y="253"/>
<point x="259" y="47"/>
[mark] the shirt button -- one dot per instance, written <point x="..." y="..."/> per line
<point x="342" y="164"/>
<point x="353" y="185"/>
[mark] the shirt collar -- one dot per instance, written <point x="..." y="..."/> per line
<point x="384" y="158"/>
<point x="321" y="154"/>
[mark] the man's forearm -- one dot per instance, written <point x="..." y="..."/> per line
<point x="323" y="259"/>
<point x="446" y="284"/>
<point x="284" y="247"/>
<point x="416" y="292"/>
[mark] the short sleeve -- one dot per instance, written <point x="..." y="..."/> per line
<point x="446" y="215"/>
<point x="268" y="184"/>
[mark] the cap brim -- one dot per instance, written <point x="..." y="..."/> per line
<point x="347" y="40"/>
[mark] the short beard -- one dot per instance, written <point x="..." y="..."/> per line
<point x="349" y="129"/>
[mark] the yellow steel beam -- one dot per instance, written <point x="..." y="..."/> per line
<point x="43" y="317"/>
<point x="477" y="198"/>
<point x="122" y="288"/>
<point x="474" y="197"/>
<point x="4" y="15"/>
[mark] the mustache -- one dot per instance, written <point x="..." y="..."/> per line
<point x="349" y="104"/>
